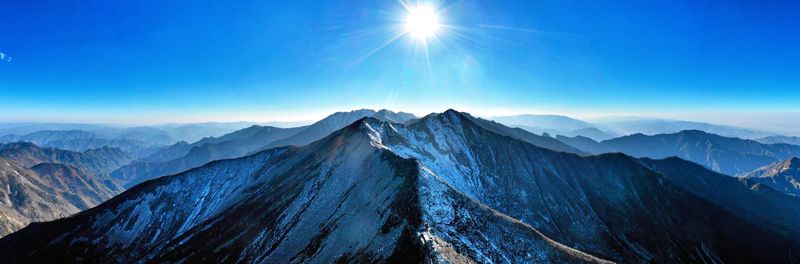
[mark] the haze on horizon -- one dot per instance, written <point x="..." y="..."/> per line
<point x="149" y="62"/>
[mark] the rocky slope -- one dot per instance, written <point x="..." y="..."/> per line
<point x="45" y="192"/>
<point x="100" y="160"/>
<point x="345" y="198"/>
<point x="444" y="188"/>
<point x="783" y="176"/>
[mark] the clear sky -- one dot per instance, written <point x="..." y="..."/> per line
<point x="157" y="61"/>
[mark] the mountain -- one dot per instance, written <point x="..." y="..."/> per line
<point x="197" y="131"/>
<point x="783" y="176"/>
<point x="157" y="135"/>
<point x="232" y="145"/>
<point x="255" y="138"/>
<point x="393" y="117"/>
<point x="746" y="198"/>
<point x="443" y="188"/>
<point x="583" y="143"/>
<point x="100" y="160"/>
<point x="170" y="152"/>
<point x="780" y="140"/>
<point x="590" y="132"/>
<point x="322" y="128"/>
<point x="79" y="140"/>
<point x="552" y="122"/>
<point x="46" y="192"/>
<point x="652" y="126"/>
<point x="555" y="125"/>
<point x="521" y="134"/>
<point x="732" y="156"/>
<point x="340" y="200"/>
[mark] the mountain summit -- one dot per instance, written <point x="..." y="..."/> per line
<point x="444" y="188"/>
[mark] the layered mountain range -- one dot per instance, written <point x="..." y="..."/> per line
<point x="183" y="156"/>
<point x="101" y="160"/>
<point x="732" y="156"/>
<point x="446" y="188"/>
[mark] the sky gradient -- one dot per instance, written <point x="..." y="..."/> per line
<point x="186" y="61"/>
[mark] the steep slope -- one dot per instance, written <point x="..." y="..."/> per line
<point x="322" y="128"/>
<point x="783" y="176"/>
<point x="228" y="146"/>
<point x="521" y="134"/>
<point x="444" y="188"/>
<point x="730" y="156"/>
<point x="746" y="198"/>
<point x="609" y="206"/>
<point x="46" y="192"/>
<point x="345" y="198"/>
<point x="95" y="160"/>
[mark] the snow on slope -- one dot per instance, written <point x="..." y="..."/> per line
<point x="440" y="189"/>
<point x="345" y="198"/>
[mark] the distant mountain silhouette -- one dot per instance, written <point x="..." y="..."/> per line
<point x="727" y="155"/>
<point x="100" y="160"/>
<point x="443" y="188"/>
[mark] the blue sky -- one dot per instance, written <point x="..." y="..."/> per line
<point x="158" y="61"/>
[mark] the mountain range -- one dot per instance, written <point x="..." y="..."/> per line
<point x="555" y="125"/>
<point x="182" y="156"/>
<point x="732" y="156"/>
<point x="44" y="192"/>
<point x="79" y="140"/>
<point x="445" y="188"/>
<point x="146" y="136"/>
<point x="102" y="160"/>
<point x="654" y="126"/>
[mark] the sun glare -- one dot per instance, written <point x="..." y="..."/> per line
<point x="422" y="21"/>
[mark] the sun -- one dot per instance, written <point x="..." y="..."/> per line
<point x="422" y="21"/>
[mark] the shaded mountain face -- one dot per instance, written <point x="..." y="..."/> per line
<point x="180" y="157"/>
<point x="521" y="134"/>
<point x="342" y="199"/>
<point x="444" y="188"/>
<point x="732" y="156"/>
<point x="610" y="206"/>
<point x="233" y="145"/>
<point x="780" y="140"/>
<point x="47" y="191"/>
<point x="744" y="197"/>
<point x="100" y="160"/>
<point x="322" y="128"/>
<point x="783" y="176"/>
